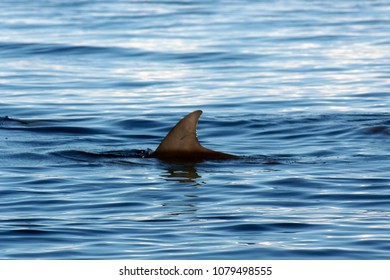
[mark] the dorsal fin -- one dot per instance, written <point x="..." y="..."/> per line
<point x="182" y="142"/>
<point x="182" y="137"/>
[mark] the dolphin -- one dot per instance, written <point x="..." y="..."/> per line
<point x="182" y="144"/>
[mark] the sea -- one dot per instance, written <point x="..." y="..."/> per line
<point x="299" y="90"/>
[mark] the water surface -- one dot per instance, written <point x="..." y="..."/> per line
<point x="298" y="89"/>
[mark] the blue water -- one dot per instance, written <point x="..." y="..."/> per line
<point x="298" y="89"/>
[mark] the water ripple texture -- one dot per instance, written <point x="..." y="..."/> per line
<point x="297" y="89"/>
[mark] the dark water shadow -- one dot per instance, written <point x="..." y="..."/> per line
<point x="181" y="173"/>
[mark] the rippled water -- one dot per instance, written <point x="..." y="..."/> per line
<point x="298" y="89"/>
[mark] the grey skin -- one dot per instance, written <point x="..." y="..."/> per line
<point x="182" y="144"/>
